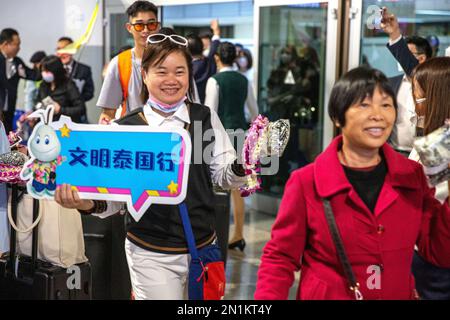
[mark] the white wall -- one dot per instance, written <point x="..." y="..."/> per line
<point x="41" y="23"/>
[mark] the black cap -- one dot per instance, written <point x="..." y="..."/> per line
<point x="37" y="56"/>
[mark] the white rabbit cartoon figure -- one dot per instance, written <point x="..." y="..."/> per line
<point x="44" y="148"/>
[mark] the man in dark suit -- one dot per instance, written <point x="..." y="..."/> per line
<point x="409" y="52"/>
<point x="80" y="73"/>
<point x="12" y="69"/>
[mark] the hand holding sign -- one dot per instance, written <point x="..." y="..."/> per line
<point x="139" y="165"/>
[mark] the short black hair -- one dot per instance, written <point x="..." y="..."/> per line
<point x="422" y="45"/>
<point x="353" y="87"/>
<point x="141" y="6"/>
<point x="53" y="64"/>
<point x="205" y="33"/>
<point x="227" y="53"/>
<point x="247" y="53"/>
<point x="195" y="44"/>
<point x="68" y="39"/>
<point x="7" y="35"/>
<point x="37" y="56"/>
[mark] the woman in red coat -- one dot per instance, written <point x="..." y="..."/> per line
<point x="381" y="201"/>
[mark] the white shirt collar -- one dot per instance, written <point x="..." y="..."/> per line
<point x="154" y="118"/>
<point x="6" y="57"/>
<point x="226" y="69"/>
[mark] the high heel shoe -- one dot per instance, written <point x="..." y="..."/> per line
<point x="240" y="244"/>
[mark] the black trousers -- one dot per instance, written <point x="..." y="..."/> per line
<point x="432" y="283"/>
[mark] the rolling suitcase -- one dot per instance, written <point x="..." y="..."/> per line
<point x="27" y="278"/>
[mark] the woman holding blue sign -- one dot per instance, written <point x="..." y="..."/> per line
<point x="156" y="245"/>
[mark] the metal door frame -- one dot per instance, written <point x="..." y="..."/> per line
<point x="355" y="31"/>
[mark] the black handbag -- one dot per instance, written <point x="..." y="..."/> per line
<point x="353" y="284"/>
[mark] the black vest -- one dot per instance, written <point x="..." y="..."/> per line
<point x="160" y="229"/>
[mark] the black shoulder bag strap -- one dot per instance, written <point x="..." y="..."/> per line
<point x="354" y="285"/>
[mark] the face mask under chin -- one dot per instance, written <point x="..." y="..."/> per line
<point x="164" y="107"/>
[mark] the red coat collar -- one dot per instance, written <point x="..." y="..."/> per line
<point x="329" y="176"/>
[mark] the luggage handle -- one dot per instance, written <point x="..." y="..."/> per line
<point x="13" y="240"/>
<point x="33" y="225"/>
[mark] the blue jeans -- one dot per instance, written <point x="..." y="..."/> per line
<point x="432" y="283"/>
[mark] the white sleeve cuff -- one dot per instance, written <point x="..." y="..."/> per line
<point x="392" y="42"/>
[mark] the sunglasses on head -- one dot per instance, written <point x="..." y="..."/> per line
<point x="151" y="26"/>
<point x="159" y="37"/>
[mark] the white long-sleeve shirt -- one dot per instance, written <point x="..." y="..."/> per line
<point x="223" y="153"/>
<point x="404" y="130"/>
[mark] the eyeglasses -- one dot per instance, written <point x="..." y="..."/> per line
<point x="421" y="100"/>
<point x="159" y="37"/>
<point x="151" y="26"/>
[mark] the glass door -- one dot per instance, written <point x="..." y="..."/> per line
<point x="296" y="59"/>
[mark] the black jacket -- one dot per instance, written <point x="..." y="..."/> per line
<point x="203" y="69"/>
<point x="68" y="97"/>
<point x="8" y="87"/>
<point x="82" y="74"/>
<point x="401" y="53"/>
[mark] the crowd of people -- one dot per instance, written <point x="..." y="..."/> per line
<point x="56" y="79"/>
<point x="361" y="204"/>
